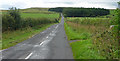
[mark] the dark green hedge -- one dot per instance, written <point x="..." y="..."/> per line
<point x="9" y="23"/>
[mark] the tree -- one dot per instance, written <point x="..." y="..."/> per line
<point x="14" y="12"/>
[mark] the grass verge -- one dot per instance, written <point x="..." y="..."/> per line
<point x="82" y="48"/>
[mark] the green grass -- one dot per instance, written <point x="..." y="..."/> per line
<point x="36" y="13"/>
<point x="39" y="15"/>
<point x="73" y="35"/>
<point x="11" y="38"/>
<point x="82" y="49"/>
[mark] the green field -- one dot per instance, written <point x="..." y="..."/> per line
<point x="39" y="15"/>
<point x="34" y="10"/>
<point x="82" y="50"/>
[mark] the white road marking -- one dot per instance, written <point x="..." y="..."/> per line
<point x="41" y="43"/>
<point x="29" y="56"/>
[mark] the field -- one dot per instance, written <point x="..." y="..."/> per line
<point x="36" y="13"/>
<point x="11" y="38"/>
<point x="91" y="37"/>
<point x="40" y="15"/>
<point x="35" y="9"/>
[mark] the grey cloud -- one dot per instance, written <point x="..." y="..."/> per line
<point x="110" y="4"/>
<point x="17" y="4"/>
<point x="6" y="6"/>
<point x="61" y="2"/>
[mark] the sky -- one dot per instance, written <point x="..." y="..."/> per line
<point x="22" y="4"/>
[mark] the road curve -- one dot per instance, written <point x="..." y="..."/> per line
<point x="49" y="44"/>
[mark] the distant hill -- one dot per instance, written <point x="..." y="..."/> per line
<point x="33" y="9"/>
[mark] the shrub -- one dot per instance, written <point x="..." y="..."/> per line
<point x="108" y="42"/>
<point x="8" y="22"/>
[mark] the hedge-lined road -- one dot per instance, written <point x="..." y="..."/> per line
<point x="49" y="44"/>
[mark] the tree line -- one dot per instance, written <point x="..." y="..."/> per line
<point x="58" y="9"/>
<point x="81" y="12"/>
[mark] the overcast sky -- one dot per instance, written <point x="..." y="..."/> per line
<point x="108" y="4"/>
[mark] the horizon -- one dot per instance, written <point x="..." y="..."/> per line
<point x="23" y="4"/>
<point x="57" y="7"/>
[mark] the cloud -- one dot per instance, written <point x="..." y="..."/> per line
<point x="109" y="4"/>
<point x="61" y="2"/>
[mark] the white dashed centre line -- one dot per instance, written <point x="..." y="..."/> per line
<point x="29" y="56"/>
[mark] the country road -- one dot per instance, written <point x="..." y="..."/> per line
<point x="49" y="44"/>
